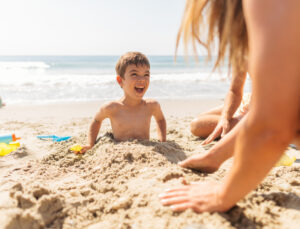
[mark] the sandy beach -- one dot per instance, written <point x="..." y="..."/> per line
<point x="116" y="184"/>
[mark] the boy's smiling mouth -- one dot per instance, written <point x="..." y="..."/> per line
<point x="139" y="89"/>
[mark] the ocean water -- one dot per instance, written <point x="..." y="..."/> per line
<point x="48" y="79"/>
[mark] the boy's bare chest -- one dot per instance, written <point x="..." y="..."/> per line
<point x="136" y="120"/>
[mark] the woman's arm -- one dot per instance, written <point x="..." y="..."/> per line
<point x="274" y="115"/>
<point x="232" y="101"/>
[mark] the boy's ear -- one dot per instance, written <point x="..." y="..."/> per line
<point x="119" y="80"/>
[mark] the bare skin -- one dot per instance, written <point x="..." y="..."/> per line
<point x="274" y="55"/>
<point x="221" y="120"/>
<point x="211" y="160"/>
<point x="130" y="117"/>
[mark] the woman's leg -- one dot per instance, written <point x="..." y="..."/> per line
<point x="206" y="122"/>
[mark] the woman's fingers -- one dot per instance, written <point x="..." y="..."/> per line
<point x="179" y="189"/>
<point x="181" y="207"/>
<point x="216" y="133"/>
<point x="171" y="195"/>
<point x="174" y="200"/>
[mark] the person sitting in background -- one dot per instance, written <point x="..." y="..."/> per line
<point x="219" y="121"/>
<point x="130" y="116"/>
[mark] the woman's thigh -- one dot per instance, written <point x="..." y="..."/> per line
<point x="214" y="111"/>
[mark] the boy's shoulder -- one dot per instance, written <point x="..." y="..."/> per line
<point x="110" y="106"/>
<point x="151" y="102"/>
<point x="107" y="109"/>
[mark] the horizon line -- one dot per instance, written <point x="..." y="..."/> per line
<point x="70" y="55"/>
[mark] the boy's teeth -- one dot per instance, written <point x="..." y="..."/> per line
<point x="139" y="89"/>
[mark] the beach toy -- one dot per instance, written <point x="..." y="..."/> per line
<point x="8" y="138"/>
<point x="8" y="148"/>
<point x="76" y="148"/>
<point x="54" y="138"/>
<point x="286" y="160"/>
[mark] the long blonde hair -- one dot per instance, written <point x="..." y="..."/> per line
<point x="223" y="19"/>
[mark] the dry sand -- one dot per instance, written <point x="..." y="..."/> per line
<point x="116" y="184"/>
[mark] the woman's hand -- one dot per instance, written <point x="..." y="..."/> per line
<point x="206" y="162"/>
<point x="200" y="196"/>
<point x="222" y="128"/>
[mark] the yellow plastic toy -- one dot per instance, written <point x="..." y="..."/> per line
<point x="76" y="148"/>
<point x="8" y="148"/>
<point x="286" y="160"/>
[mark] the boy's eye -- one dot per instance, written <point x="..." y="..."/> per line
<point x="136" y="75"/>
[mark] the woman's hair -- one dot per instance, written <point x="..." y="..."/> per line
<point x="221" y="18"/>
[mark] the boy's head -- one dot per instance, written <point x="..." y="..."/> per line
<point x="133" y="74"/>
<point x="129" y="58"/>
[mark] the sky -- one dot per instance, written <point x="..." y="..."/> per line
<point x="89" y="27"/>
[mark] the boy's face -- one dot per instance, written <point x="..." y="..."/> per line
<point x="136" y="80"/>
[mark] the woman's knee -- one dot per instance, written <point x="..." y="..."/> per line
<point x="194" y="126"/>
<point x="204" y="125"/>
<point x="200" y="127"/>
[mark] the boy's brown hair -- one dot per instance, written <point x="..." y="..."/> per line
<point x="129" y="58"/>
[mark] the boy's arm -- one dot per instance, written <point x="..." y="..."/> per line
<point x="161" y="122"/>
<point x="94" y="128"/>
<point x="93" y="131"/>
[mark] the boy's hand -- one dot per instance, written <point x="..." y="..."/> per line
<point x="84" y="149"/>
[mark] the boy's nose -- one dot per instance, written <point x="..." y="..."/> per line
<point x="141" y="78"/>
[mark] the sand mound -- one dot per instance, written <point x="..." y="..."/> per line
<point x="116" y="185"/>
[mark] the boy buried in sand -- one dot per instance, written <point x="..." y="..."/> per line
<point x="130" y="116"/>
